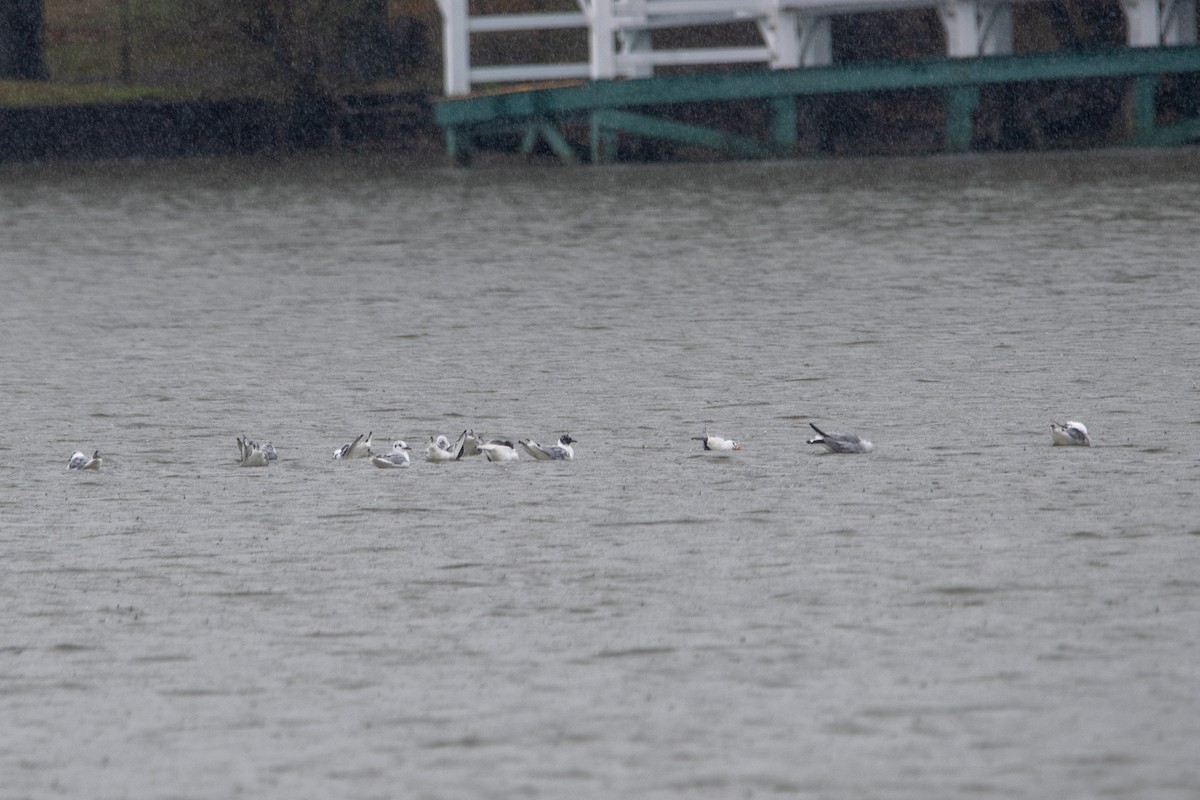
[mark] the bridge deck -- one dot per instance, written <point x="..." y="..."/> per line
<point x="614" y="107"/>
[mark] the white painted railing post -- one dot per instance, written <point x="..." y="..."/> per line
<point x="1141" y="17"/>
<point x="456" y="47"/>
<point x="816" y="41"/>
<point x="602" y="43"/>
<point x="976" y="28"/>
<point x="796" y="33"/>
<point x="1150" y="23"/>
<point x="961" y="21"/>
<point x="781" y="31"/>
<point x="632" y="43"/>
<point x="1179" y="22"/>
<point x="996" y="30"/>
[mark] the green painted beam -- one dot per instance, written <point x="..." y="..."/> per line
<point x="458" y="146"/>
<point x="961" y="102"/>
<point x="603" y="141"/>
<point x="927" y="74"/>
<point x="529" y="139"/>
<point x="1144" y="119"/>
<point x="558" y="144"/>
<point x="682" y="132"/>
<point x="784" y="122"/>
<point x="1177" y="133"/>
<point x="545" y="130"/>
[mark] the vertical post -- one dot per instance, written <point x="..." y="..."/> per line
<point x="960" y="18"/>
<point x="961" y="102"/>
<point x="1141" y="18"/>
<point x="996" y="30"/>
<point x="456" y="46"/>
<point x="816" y="41"/>
<point x="781" y="30"/>
<point x="458" y="146"/>
<point x="602" y="140"/>
<point x="601" y="40"/>
<point x="1144" y="120"/>
<point x="634" y="41"/>
<point x="1179" y="27"/>
<point x="783" y="123"/>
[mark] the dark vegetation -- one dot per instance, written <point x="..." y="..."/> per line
<point x="171" y="77"/>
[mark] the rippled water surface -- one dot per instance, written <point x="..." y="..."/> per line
<point x="965" y="612"/>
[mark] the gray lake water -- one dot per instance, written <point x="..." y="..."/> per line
<point x="966" y="612"/>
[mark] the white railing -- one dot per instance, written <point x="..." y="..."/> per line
<point x="1154" y="23"/>
<point x="795" y="33"/>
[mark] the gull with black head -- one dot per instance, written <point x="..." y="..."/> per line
<point x="562" y="451"/>
<point x="397" y="458"/>
<point x="837" y="442"/>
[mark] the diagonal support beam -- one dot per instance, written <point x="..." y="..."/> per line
<point x="545" y="130"/>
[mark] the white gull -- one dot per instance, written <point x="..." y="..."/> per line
<point x="836" y="442"/>
<point x="1070" y="433"/>
<point x="717" y="443"/>
<point x="397" y="458"/>
<point x="555" y="452"/>
<point x="359" y="448"/>
<point x="251" y="454"/>
<point x="439" y="450"/>
<point x="499" y="450"/>
<point x="470" y="443"/>
<point x="80" y="460"/>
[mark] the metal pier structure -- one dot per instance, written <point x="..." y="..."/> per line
<point x="617" y="93"/>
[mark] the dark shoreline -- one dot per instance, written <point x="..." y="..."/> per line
<point x="181" y="129"/>
<point x="1055" y="116"/>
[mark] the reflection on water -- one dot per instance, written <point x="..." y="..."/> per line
<point x="965" y="611"/>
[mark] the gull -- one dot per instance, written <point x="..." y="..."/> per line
<point x="80" y="461"/>
<point x="470" y="443"/>
<point x="499" y="450"/>
<point x="359" y="448"/>
<point x="555" y="452"/>
<point x="717" y="443"/>
<point x="1070" y="432"/>
<point x="439" y="450"/>
<point x="397" y="458"/>
<point x="250" y="454"/>
<point x="841" y="442"/>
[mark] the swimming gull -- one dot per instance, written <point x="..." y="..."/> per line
<point x="1070" y="433"/>
<point x="397" y="458"/>
<point x="251" y="454"/>
<point x="439" y="450"/>
<point x="555" y="452"/>
<point x="836" y="442"/>
<point x="80" y="461"/>
<point x="359" y="448"/>
<point x="717" y="443"/>
<point x="469" y="443"/>
<point x="499" y="450"/>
